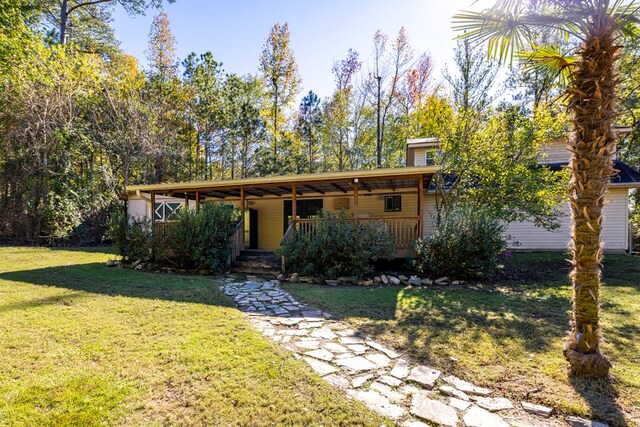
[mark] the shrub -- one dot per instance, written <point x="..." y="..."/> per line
<point x="132" y="236"/>
<point x="200" y="239"/>
<point x="467" y="243"/>
<point x="337" y="247"/>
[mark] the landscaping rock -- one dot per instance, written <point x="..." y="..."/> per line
<point x="427" y="282"/>
<point x="384" y="279"/>
<point x="424" y="376"/>
<point x="387" y="391"/>
<point x="401" y="370"/>
<point x="359" y="381"/>
<point x="332" y="282"/>
<point x="356" y="363"/>
<point x="442" y="281"/>
<point x="390" y="353"/>
<point x="321" y="368"/>
<point x="494" y="404"/>
<point x="394" y="280"/>
<point x="478" y="417"/>
<point x="380" y="360"/>
<point x="281" y="277"/>
<point x="389" y="380"/>
<point x="358" y="349"/>
<point x="581" y="422"/>
<point x="543" y="411"/>
<point x="335" y="347"/>
<point x="337" y="381"/>
<point x="321" y="354"/>
<point x="466" y="386"/>
<point x="415" y="281"/>
<point x="377" y="402"/>
<point x="460" y="405"/>
<point x="447" y="390"/>
<point x="377" y="279"/>
<point x="433" y="411"/>
<point x="294" y="276"/>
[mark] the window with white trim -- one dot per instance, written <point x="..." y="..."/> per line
<point x="393" y="203"/>
<point x="166" y="211"/>
<point x="432" y="157"/>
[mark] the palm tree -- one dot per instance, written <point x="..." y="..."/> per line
<point x="597" y="27"/>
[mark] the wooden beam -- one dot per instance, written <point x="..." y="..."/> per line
<point x="392" y="185"/>
<point x="252" y="193"/>
<point x="420" y="205"/>
<point x="338" y="187"/>
<point x="242" y="203"/>
<point x="153" y="207"/>
<point x="366" y="186"/>
<point x="186" y="200"/>
<point x="292" y="189"/>
<point x="266" y="190"/>
<point x="197" y="200"/>
<point x="293" y="203"/>
<point x="317" y="190"/>
<point x="355" y="202"/>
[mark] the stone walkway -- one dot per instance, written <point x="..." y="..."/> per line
<point x="381" y="378"/>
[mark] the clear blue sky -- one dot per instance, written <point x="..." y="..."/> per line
<point x="321" y="31"/>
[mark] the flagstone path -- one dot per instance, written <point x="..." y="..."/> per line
<point x="382" y="379"/>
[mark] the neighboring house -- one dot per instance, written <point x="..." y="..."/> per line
<point x="398" y="197"/>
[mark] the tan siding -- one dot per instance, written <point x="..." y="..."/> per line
<point x="525" y="235"/>
<point x="270" y="222"/>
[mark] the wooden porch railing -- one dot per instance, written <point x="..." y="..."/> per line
<point x="236" y="242"/>
<point x="160" y="230"/>
<point x="404" y="230"/>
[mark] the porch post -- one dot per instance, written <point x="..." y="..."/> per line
<point x="355" y="200"/>
<point x="186" y="199"/>
<point x="197" y="200"/>
<point x="242" y="203"/>
<point x="294" y="209"/>
<point x="420" y="205"/>
<point x="153" y="209"/>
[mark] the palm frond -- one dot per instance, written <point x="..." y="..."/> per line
<point x="549" y="61"/>
<point x="507" y="30"/>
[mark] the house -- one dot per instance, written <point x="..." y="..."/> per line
<point x="400" y="198"/>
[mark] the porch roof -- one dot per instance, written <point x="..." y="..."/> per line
<point x="320" y="183"/>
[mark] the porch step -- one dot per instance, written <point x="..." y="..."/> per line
<point x="258" y="262"/>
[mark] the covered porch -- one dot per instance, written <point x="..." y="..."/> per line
<point x="274" y="208"/>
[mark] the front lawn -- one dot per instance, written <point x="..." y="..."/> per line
<point x="86" y="345"/>
<point x="507" y="335"/>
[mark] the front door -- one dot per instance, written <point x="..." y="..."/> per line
<point x="306" y="208"/>
<point x="253" y="229"/>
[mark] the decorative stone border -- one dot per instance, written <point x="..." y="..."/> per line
<point x="379" y="377"/>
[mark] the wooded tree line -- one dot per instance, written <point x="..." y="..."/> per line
<point x="80" y="119"/>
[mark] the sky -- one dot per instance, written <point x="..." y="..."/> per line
<point x="322" y="31"/>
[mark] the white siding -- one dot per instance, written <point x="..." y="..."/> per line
<point x="555" y="152"/>
<point x="419" y="159"/>
<point x="141" y="208"/>
<point x="526" y="236"/>
<point x="615" y="226"/>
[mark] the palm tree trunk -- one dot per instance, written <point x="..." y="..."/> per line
<point x="591" y="101"/>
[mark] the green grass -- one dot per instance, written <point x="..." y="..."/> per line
<point x="508" y="335"/>
<point x="86" y="345"/>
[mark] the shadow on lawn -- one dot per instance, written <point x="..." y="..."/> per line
<point x="601" y="396"/>
<point x="99" y="279"/>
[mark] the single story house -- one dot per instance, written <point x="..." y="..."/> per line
<point x="399" y="197"/>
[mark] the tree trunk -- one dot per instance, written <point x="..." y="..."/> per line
<point x="64" y="17"/>
<point x="591" y="102"/>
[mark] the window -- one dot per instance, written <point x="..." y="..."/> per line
<point x="432" y="157"/>
<point x="166" y="211"/>
<point x="392" y="203"/>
